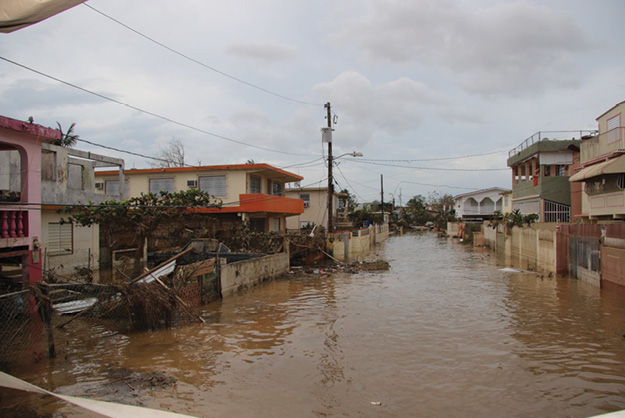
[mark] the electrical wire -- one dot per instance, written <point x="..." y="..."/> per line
<point x="155" y="115"/>
<point x="436" y="159"/>
<point x="348" y="183"/>
<point x="199" y="62"/>
<point x="430" y="168"/>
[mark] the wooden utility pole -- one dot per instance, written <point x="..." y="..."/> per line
<point x="330" y="179"/>
<point x="382" y="196"/>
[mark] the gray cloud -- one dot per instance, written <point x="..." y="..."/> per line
<point x="507" y="49"/>
<point x="264" y="52"/>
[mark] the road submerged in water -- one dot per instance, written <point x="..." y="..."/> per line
<point x="444" y="332"/>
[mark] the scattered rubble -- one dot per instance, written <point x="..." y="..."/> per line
<point x="324" y="269"/>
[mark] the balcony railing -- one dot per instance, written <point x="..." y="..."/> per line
<point x="550" y="136"/>
<point x="603" y="145"/>
<point x="13" y="223"/>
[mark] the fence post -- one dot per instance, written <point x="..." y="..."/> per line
<point x="40" y="291"/>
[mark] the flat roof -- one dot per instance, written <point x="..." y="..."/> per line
<point x="278" y="172"/>
<point x="46" y="134"/>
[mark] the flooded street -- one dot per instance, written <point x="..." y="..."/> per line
<point x="442" y="333"/>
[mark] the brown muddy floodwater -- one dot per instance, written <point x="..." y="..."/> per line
<point x="444" y="333"/>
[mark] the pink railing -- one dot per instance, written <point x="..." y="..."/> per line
<point x="13" y="223"/>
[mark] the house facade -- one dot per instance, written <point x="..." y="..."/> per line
<point x="254" y="193"/>
<point x="20" y="197"/>
<point x="541" y="167"/>
<point x="68" y="178"/>
<point x="479" y="205"/>
<point x="316" y="208"/>
<point x="602" y="170"/>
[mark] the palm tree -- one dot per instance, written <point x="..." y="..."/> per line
<point x="69" y="138"/>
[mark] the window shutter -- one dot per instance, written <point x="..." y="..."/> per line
<point x="60" y="238"/>
<point x="162" y="185"/>
<point x="213" y="185"/>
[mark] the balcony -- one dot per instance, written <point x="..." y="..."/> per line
<point x="603" y="145"/>
<point x="13" y="227"/>
<point x="260" y="203"/>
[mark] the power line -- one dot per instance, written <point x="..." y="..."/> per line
<point x="175" y="122"/>
<point x="348" y="183"/>
<point x="126" y="152"/>
<point x="436" y="159"/>
<point x="430" y="168"/>
<point x="199" y="62"/>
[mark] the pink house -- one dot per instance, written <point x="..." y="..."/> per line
<point x="20" y="199"/>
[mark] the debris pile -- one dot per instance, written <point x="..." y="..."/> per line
<point x="354" y="267"/>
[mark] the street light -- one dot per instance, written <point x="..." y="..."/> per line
<point x="351" y="154"/>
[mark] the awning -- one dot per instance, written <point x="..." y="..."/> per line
<point x="17" y="14"/>
<point x="612" y="166"/>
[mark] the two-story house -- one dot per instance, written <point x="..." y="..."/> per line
<point x="541" y="166"/>
<point x="20" y="201"/>
<point x="68" y="178"/>
<point x="479" y="205"/>
<point x="602" y="169"/>
<point x="249" y="193"/>
<point x="316" y="208"/>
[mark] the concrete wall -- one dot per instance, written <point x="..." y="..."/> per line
<point x="356" y="245"/>
<point x="248" y="273"/>
<point x="528" y="248"/>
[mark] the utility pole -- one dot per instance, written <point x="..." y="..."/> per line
<point x="330" y="179"/>
<point x="382" y="196"/>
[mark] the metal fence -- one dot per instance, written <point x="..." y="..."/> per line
<point x="21" y="329"/>
<point x="557" y="212"/>
<point x="550" y="135"/>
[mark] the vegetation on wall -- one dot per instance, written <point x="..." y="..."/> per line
<point x="143" y="214"/>
<point x="514" y="218"/>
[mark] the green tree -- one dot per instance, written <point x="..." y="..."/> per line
<point x="68" y="138"/>
<point x="143" y="215"/>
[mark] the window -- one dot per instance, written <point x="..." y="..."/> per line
<point x="275" y="224"/>
<point x="162" y="185"/>
<point x="304" y="224"/>
<point x="547" y="171"/>
<point x="306" y="198"/>
<point x="48" y="165"/>
<point x="255" y="184"/>
<point x="60" y="238"/>
<point x="213" y="185"/>
<point x="613" y="125"/>
<point x="605" y="184"/>
<point x="75" y="176"/>
<point x="275" y="188"/>
<point x="112" y="187"/>
<point x="257" y="224"/>
<point x="560" y="170"/>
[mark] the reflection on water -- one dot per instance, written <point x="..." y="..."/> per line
<point x="443" y="333"/>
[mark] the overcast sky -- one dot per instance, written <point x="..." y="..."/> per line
<point x="419" y="87"/>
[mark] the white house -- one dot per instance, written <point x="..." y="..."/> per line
<point x="480" y="204"/>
